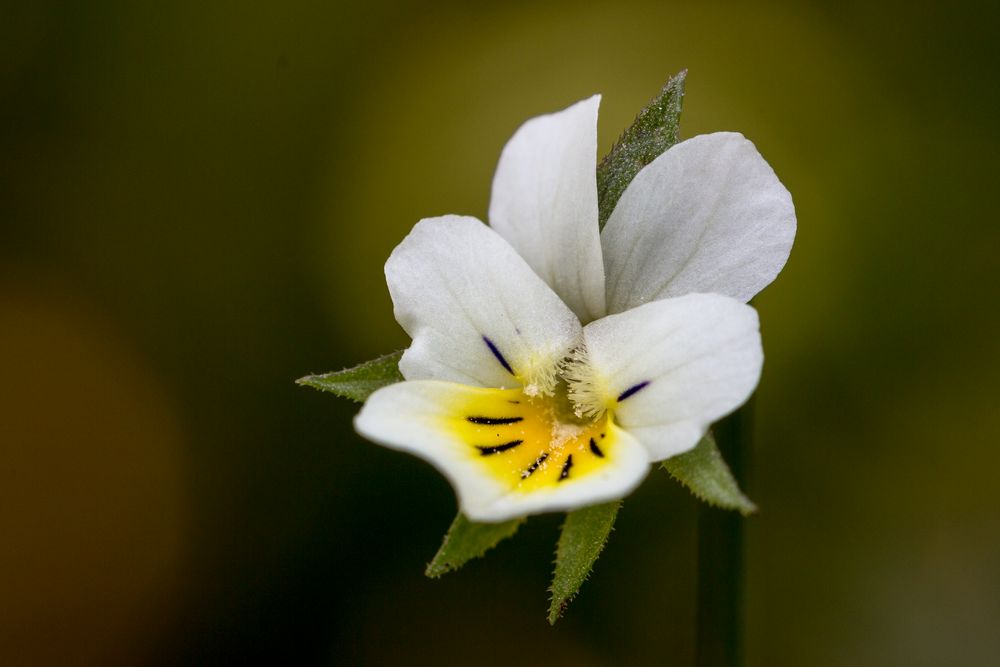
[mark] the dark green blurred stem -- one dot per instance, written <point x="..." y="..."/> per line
<point x="720" y="556"/>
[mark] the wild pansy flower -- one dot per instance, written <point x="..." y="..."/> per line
<point x="552" y="362"/>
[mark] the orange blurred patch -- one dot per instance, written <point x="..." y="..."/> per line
<point x="92" y="504"/>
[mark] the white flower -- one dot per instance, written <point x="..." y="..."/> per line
<point x="521" y="406"/>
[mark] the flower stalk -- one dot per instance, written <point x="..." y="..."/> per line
<point x="719" y="639"/>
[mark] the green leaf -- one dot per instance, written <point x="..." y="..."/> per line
<point x="583" y="537"/>
<point x="360" y="382"/>
<point x="655" y="129"/>
<point x="466" y="540"/>
<point x="705" y="473"/>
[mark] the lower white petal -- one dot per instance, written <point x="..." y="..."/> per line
<point x="668" y="369"/>
<point x="502" y="451"/>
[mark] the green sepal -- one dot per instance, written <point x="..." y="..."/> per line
<point x="655" y="129"/>
<point x="584" y="534"/>
<point x="466" y="540"/>
<point x="360" y="382"/>
<point x="705" y="473"/>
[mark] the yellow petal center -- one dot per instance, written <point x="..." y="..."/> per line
<point x="521" y="441"/>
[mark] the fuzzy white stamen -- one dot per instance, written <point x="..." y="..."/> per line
<point x="585" y="388"/>
<point x="541" y="379"/>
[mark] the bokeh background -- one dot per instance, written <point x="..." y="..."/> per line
<point x="196" y="200"/>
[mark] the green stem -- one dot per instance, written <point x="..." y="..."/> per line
<point x="720" y="556"/>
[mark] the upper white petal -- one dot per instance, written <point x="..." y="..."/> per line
<point x="458" y="288"/>
<point x="544" y="203"/>
<point x="709" y="215"/>
<point x="699" y="354"/>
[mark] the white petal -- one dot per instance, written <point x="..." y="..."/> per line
<point x="509" y="466"/>
<point x="476" y="312"/>
<point x="412" y="417"/>
<point x="670" y="368"/>
<point x="709" y="215"/>
<point x="544" y="203"/>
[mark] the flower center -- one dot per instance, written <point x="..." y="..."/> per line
<point x="530" y="442"/>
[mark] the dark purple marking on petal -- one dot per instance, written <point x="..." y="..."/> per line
<point x="496" y="449"/>
<point x="534" y="466"/>
<point x="494" y="421"/>
<point x="594" y="448"/>
<point x="566" y="466"/>
<point x="633" y="390"/>
<point x="496" y="353"/>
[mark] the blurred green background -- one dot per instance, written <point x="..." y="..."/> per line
<point x="196" y="200"/>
